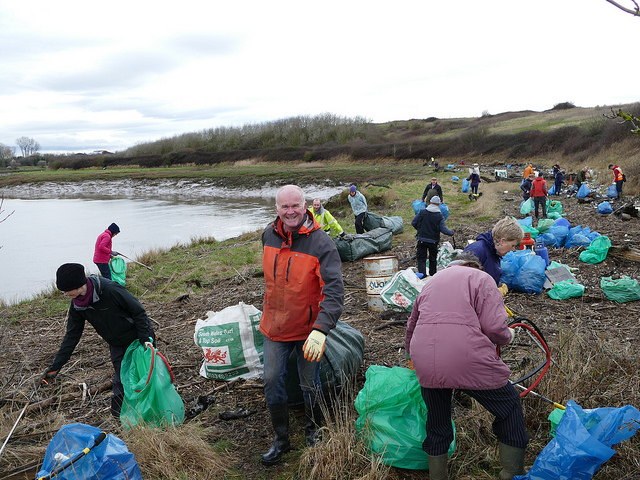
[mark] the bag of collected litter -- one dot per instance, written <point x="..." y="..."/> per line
<point x="392" y="417"/>
<point x="620" y="290"/>
<point x="78" y="451"/>
<point x="373" y="220"/>
<point x="612" y="191"/>
<point x="548" y="239"/>
<point x="446" y="255"/>
<point x="445" y="210"/>
<point x="597" y="250"/>
<point x="544" y="224"/>
<point x="149" y="394"/>
<point x="554" y="209"/>
<point x="530" y="278"/>
<point x="401" y="291"/>
<point x="526" y="206"/>
<point x="354" y="246"/>
<point x="231" y="343"/>
<point x="552" y="190"/>
<point x="583" y="191"/>
<point x="525" y="222"/>
<point x="604" y="208"/>
<point x="560" y="232"/>
<point x="583" y="441"/>
<point x="118" y="268"/>
<point x="418" y="205"/>
<point x="531" y="230"/>
<point x="342" y="358"/>
<point x="577" y="240"/>
<point x="465" y="185"/>
<point x="511" y="264"/>
<point x="566" y="289"/>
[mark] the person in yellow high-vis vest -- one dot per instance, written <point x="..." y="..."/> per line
<point x="326" y="220"/>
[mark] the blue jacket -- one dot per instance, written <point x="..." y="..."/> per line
<point x="485" y="250"/>
<point x="429" y="224"/>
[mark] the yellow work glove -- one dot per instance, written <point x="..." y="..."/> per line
<point x="503" y="289"/>
<point x="313" y="348"/>
<point x="407" y="357"/>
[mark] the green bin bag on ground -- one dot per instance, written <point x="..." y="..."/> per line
<point x="352" y="247"/>
<point x="620" y="290"/>
<point x="392" y="417"/>
<point x="544" y="224"/>
<point x="597" y="250"/>
<point x="566" y="289"/>
<point x="149" y="395"/>
<point x="343" y="354"/>
<point x="372" y="221"/>
<point x="554" y="209"/>
<point x="118" y="268"/>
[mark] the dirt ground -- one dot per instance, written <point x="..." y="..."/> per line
<point x="26" y="348"/>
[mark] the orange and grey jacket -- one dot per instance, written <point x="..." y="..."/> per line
<point x="303" y="277"/>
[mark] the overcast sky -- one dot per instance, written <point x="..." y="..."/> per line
<point x="82" y="75"/>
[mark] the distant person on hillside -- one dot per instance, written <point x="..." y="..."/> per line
<point x="491" y="246"/>
<point x="528" y="171"/>
<point x="618" y="178"/>
<point x="432" y="189"/>
<point x="326" y="220"/>
<point x="526" y="187"/>
<point x="103" y="253"/>
<point x="429" y="222"/>
<point x="358" y="206"/>
<point x="539" y="194"/>
<point x="115" y="314"/>
<point x="558" y="181"/>
<point x="474" y="179"/>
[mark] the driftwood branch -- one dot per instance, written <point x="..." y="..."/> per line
<point x="68" y="397"/>
<point x="625" y="252"/>
<point x="633" y="11"/>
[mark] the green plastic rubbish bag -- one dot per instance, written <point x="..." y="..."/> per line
<point x="620" y="290"/>
<point x="149" y="395"/>
<point x="526" y="207"/>
<point x="566" y="289"/>
<point x="544" y="224"/>
<point x="118" y="268"/>
<point x="597" y="250"/>
<point x="392" y="417"/>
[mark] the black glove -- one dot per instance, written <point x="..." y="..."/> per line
<point x="342" y="234"/>
<point x="114" y="254"/>
<point x="48" y="376"/>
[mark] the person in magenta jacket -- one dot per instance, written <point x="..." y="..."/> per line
<point x="103" y="253"/>
<point x="456" y="321"/>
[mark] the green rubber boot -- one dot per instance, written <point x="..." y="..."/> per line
<point x="512" y="461"/>
<point x="438" y="467"/>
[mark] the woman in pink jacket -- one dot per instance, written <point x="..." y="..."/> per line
<point x="457" y="318"/>
<point x="103" y="253"/>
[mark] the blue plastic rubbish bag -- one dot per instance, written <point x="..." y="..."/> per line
<point x="465" y="185"/>
<point x="418" y="205"/>
<point x="445" y="210"/>
<point x="583" y="442"/>
<point x="612" y="191"/>
<point x="530" y="278"/>
<point x="108" y="460"/>
<point x="604" y="208"/>
<point x="583" y="191"/>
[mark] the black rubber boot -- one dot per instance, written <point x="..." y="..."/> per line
<point x="280" y="422"/>
<point x="512" y="460"/>
<point x="438" y="467"/>
<point x="116" y="405"/>
<point x="314" y="422"/>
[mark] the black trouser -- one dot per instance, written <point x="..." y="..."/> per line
<point x="105" y="271"/>
<point x="422" y="249"/>
<point x="503" y="403"/>
<point x="359" y="220"/>
<point x="474" y="189"/>
<point x="619" y="187"/>
<point x="541" y="201"/>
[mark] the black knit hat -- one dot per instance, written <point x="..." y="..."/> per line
<point x="113" y="228"/>
<point x="70" y="276"/>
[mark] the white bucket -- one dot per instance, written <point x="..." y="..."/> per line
<point x="377" y="273"/>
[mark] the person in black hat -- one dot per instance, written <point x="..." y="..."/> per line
<point x="116" y="315"/>
<point x="103" y="252"/>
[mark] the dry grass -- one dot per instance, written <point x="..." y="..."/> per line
<point x="177" y="453"/>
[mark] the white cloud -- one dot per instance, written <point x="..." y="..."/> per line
<point x="88" y="76"/>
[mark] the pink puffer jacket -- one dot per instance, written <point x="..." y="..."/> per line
<point x="103" y="247"/>
<point x="456" y="320"/>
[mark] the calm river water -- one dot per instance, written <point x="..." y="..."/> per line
<point x="57" y="223"/>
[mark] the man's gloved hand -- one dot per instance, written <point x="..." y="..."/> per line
<point x="503" y="289"/>
<point x="114" y="254"/>
<point x="146" y="343"/>
<point x="341" y="234"/>
<point x="313" y="348"/>
<point x="48" y="376"/>
<point x="513" y="334"/>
